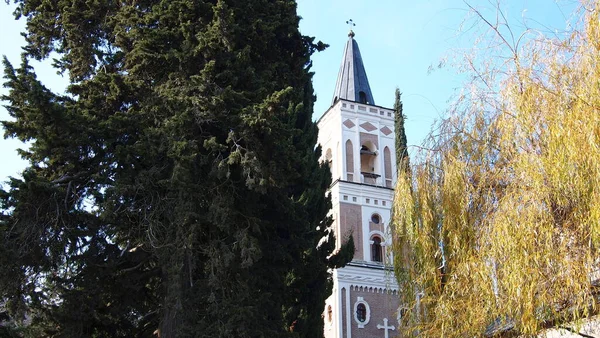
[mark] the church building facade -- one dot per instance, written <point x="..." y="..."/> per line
<point x="357" y="138"/>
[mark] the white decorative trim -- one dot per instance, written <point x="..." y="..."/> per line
<point x="360" y="300"/>
<point x="348" y="321"/>
<point x="384" y="241"/>
<point x="373" y="191"/>
<point x="366" y="273"/>
<point x="379" y="234"/>
<point x="371" y="289"/>
<point x="386" y="327"/>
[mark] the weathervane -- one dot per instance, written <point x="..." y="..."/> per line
<point x="351" y="24"/>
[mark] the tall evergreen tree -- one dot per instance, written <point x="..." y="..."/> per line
<point x="402" y="161"/>
<point x="174" y="189"/>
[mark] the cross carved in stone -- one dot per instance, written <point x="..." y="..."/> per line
<point x="386" y="327"/>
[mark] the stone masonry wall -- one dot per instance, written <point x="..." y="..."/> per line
<point x="382" y="305"/>
<point x="350" y="223"/>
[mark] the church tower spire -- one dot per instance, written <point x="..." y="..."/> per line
<point x="352" y="83"/>
<point x="358" y="142"/>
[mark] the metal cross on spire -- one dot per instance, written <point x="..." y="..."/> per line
<point x="351" y="24"/>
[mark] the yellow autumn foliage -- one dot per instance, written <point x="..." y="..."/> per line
<point x="497" y="227"/>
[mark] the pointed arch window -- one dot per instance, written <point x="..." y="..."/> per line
<point x="376" y="250"/>
<point x="349" y="161"/>
<point x="328" y="157"/>
<point x="387" y="161"/>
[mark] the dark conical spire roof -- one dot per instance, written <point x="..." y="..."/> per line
<point x="352" y="83"/>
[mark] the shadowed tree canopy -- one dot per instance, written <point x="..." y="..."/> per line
<point x="174" y="189"/>
<point x="498" y="229"/>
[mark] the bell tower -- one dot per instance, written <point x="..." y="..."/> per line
<point x="357" y="138"/>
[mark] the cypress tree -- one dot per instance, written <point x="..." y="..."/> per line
<point x="174" y="188"/>
<point x="402" y="161"/>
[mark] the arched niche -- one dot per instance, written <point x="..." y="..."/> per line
<point x="369" y="163"/>
<point x="349" y="161"/>
<point x="387" y="166"/>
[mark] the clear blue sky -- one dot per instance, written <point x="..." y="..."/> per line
<point x="399" y="40"/>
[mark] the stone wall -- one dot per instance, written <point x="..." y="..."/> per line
<point x="382" y="304"/>
<point x="350" y="223"/>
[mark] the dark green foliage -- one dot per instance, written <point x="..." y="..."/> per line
<point x="175" y="187"/>
<point x="402" y="160"/>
